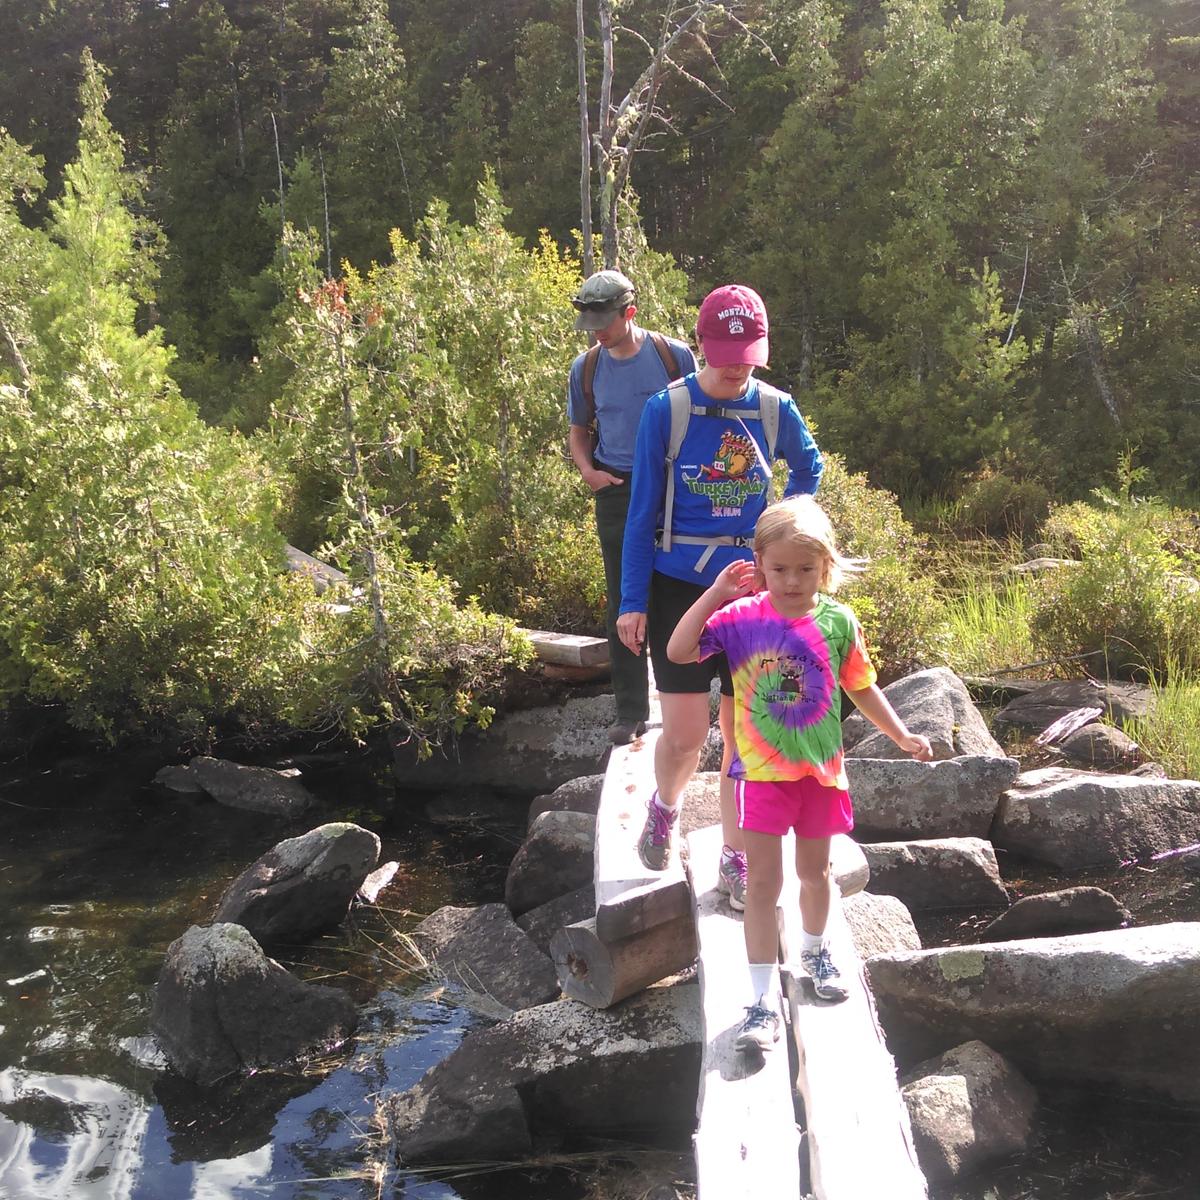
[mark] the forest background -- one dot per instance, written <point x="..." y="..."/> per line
<point x="302" y="270"/>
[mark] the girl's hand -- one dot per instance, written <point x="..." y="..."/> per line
<point x="916" y="745"/>
<point x="736" y="580"/>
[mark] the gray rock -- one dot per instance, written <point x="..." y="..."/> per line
<point x="555" y="858"/>
<point x="939" y="873"/>
<point x="258" y="789"/>
<point x="1150" y="770"/>
<point x="879" y="925"/>
<point x="1042" y="707"/>
<point x="532" y="750"/>
<point x="1055" y="914"/>
<point x="576" y="795"/>
<point x="436" y="930"/>
<point x="179" y="780"/>
<point x="968" y="1108"/>
<point x="371" y="887"/>
<point x="489" y="955"/>
<point x="543" y="922"/>
<point x="933" y="702"/>
<point x="222" y="1006"/>
<point x="1112" y="1008"/>
<point x="561" y="1065"/>
<point x="1038" y="566"/>
<point x="303" y="885"/>
<point x="900" y="799"/>
<point x="1074" y="819"/>
<point x="712" y="750"/>
<point x="1099" y="745"/>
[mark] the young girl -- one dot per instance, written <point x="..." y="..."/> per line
<point x="790" y="649"/>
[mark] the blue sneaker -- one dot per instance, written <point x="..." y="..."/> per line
<point x="759" y="1031"/>
<point x="824" y="975"/>
<point x="654" y="846"/>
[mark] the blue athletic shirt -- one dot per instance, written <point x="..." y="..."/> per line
<point x="720" y="487"/>
<point x="621" y="388"/>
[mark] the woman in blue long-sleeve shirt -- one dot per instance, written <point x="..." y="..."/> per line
<point x="690" y="515"/>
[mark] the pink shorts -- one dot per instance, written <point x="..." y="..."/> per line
<point x="805" y="805"/>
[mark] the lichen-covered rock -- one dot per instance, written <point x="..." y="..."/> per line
<point x="937" y="873"/>
<point x="1056" y="914"/>
<point x="303" y="885"/>
<point x="879" y="924"/>
<point x="555" y="858"/>
<point x="222" y="1006"/>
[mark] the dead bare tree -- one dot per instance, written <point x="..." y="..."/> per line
<point x="621" y="127"/>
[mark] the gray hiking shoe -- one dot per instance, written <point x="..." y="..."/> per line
<point x="731" y="879"/>
<point x="824" y="975"/>
<point x="654" y="846"/>
<point x="759" y="1031"/>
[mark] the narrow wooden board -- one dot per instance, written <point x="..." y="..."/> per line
<point x="859" y="1140"/>
<point x="628" y="786"/>
<point x="746" y="1142"/>
<point x="568" y="649"/>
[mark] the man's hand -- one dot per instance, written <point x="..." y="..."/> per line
<point x="598" y="480"/>
<point x="631" y="629"/>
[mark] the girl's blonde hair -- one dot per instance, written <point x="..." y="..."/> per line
<point x="802" y="521"/>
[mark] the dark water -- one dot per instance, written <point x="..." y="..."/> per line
<point x="97" y="875"/>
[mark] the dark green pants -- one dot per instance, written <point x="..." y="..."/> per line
<point x="628" y="670"/>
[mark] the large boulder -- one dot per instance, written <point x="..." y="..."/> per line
<point x="1099" y="745"/>
<point x="1073" y="819"/>
<point x="543" y="922"/>
<point x="303" y="885"/>
<point x="532" y="750"/>
<point x="489" y="955"/>
<point x="576" y="795"/>
<point x="258" y="789"/>
<point x="901" y="800"/>
<point x="1039" y="709"/>
<point x="561" y="1065"/>
<point x="968" y="1108"/>
<point x="222" y="1006"/>
<point x="555" y="858"/>
<point x="879" y="925"/>
<point x="1056" y="914"/>
<point x="940" y="873"/>
<point x="933" y="702"/>
<point x="1117" y="1008"/>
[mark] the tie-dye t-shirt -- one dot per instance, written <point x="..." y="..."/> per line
<point x="787" y="680"/>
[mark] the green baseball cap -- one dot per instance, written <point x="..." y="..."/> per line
<point x="601" y="297"/>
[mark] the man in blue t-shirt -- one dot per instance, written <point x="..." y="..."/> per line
<point x="621" y="372"/>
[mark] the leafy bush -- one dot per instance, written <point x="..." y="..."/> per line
<point x="1134" y="598"/>
<point x="998" y="503"/>
<point x="900" y="613"/>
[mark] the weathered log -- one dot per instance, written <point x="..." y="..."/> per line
<point x="600" y="974"/>
<point x="642" y="908"/>
<point x="568" y="649"/>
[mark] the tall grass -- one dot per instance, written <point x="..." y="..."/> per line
<point x="1170" y="732"/>
<point x="989" y="625"/>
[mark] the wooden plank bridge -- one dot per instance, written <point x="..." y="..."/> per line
<point x="821" y="1117"/>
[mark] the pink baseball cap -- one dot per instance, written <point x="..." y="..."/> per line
<point x="732" y="327"/>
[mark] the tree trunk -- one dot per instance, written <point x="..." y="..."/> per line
<point x="585" y="144"/>
<point x="601" y="975"/>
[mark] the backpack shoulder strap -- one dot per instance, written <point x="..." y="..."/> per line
<point x="586" y="382"/>
<point x="667" y="355"/>
<point x="768" y="410"/>
<point x="681" y="412"/>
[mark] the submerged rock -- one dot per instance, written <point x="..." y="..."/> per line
<point x="222" y="1006"/>
<point x="303" y="885"/>
<point x="257" y="789"/>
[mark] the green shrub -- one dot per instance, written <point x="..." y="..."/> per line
<point x="1132" y="599"/>
<point x="999" y="504"/>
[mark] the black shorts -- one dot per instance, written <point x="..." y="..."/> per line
<point x="670" y="598"/>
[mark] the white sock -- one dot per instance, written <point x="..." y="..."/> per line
<point x="728" y="852"/>
<point x="764" y="983"/>
<point x="810" y="943"/>
<point x="667" y="808"/>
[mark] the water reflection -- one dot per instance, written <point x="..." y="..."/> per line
<point x="68" y="1137"/>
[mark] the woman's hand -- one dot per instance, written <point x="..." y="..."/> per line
<point x="631" y="629"/>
